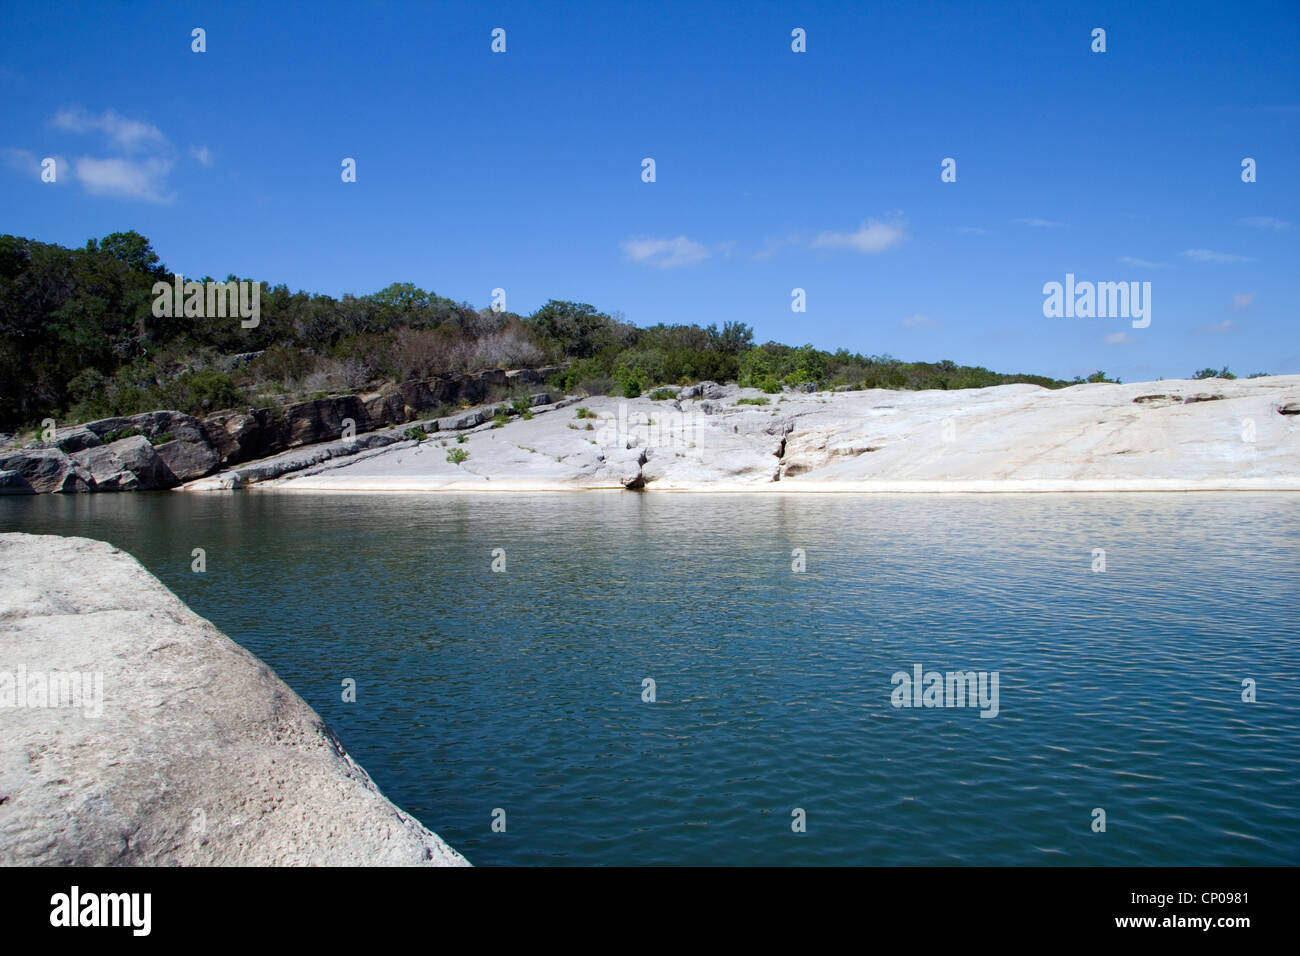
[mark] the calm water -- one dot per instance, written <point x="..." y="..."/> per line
<point x="522" y="690"/>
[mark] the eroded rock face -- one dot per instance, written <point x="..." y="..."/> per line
<point x="47" y="470"/>
<point x="128" y="464"/>
<point x="76" y="439"/>
<point x="184" y="749"/>
<point x="183" y="448"/>
<point x="186" y="460"/>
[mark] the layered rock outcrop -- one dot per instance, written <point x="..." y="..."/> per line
<point x="110" y="454"/>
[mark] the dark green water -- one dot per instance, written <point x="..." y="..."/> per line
<point x="522" y="690"/>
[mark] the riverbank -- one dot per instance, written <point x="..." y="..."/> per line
<point x="1187" y="435"/>
<point x="136" y="733"/>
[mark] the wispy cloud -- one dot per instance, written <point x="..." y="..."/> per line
<point x="139" y="161"/>
<point x="872" y="236"/>
<point x="1263" y="222"/>
<point x="972" y="231"/>
<point x="920" y="321"/>
<point x="202" y="154"/>
<point x="1242" y="302"/>
<point x="1142" y="263"/>
<point x="1217" y="328"/>
<point x="125" y="178"/>
<point x="1119" y="338"/>
<point x="126" y="134"/>
<point x="774" y="243"/>
<point x="28" y="163"/>
<point x="1039" y="223"/>
<point x="1209" y="255"/>
<point x="665" y="253"/>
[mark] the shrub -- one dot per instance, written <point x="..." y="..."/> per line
<point x="499" y="419"/>
<point x="462" y="438"/>
<point x="457" y="455"/>
<point x="584" y="413"/>
<point x="769" y="385"/>
<point x="417" y="433"/>
<point x="660" y="394"/>
<point x="753" y="401"/>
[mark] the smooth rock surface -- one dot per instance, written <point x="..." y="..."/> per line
<point x="1152" y="436"/>
<point x="200" y="756"/>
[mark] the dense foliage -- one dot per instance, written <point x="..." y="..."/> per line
<point x="78" y="340"/>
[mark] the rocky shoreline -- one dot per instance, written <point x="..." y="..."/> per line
<point x="1191" y="435"/>
<point x="163" y="449"/>
<point x="1183" y="435"/>
<point x="174" y="746"/>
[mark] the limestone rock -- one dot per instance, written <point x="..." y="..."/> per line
<point x="192" y="752"/>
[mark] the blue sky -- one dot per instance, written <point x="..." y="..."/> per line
<point x="775" y="169"/>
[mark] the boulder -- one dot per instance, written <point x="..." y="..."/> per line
<point x="129" y="464"/>
<point x="187" y="460"/>
<point x="47" y="470"/>
<point x="462" y="420"/>
<point x="175" y="746"/>
<point x="75" y="439"/>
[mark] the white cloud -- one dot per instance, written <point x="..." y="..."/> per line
<point x="1141" y="263"/>
<point x="972" y="230"/>
<point x="920" y="321"/>
<point x="1243" y="301"/>
<point x="1119" y="338"/>
<point x="127" y="134"/>
<point x="665" y="253"/>
<point x="1039" y="223"/>
<point x="1263" y="222"/>
<point x="1217" y="328"/>
<point x="1209" y="255"/>
<point x="872" y="236"/>
<point x="202" y="154"/>
<point x="124" y="178"/>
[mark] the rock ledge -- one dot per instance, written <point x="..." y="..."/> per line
<point x="201" y="755"/>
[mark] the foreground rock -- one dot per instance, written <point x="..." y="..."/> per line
<point x="200" y="754"/>
<point x="1215" y="434"/>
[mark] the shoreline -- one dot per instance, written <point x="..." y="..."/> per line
<point x="1185" y="436"/>
<point x="409" y="485"/>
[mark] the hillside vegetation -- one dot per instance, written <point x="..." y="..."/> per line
<point x="79" y="340"/>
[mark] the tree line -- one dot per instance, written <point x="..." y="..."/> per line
<point x="79" y="340"/>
